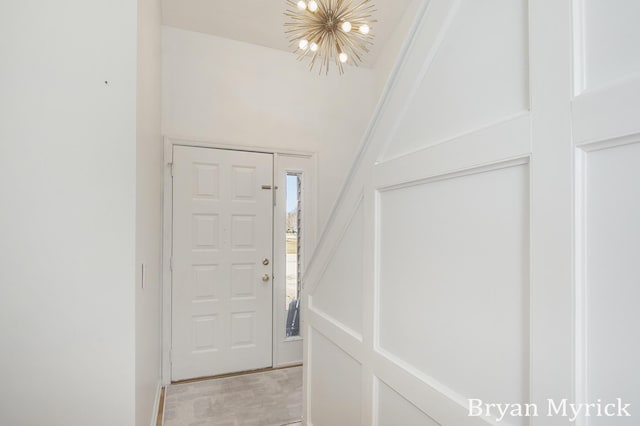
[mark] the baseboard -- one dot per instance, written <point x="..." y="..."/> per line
<point x="156" y="406"/>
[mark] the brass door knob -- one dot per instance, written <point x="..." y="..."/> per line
<point x="265" y="261"/>
<point x="265" y="277"/>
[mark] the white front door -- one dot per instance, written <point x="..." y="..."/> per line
<point x="222" y="272"/>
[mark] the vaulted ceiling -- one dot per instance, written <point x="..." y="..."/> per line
<point x="262" y="21"/>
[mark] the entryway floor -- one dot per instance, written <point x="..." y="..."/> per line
<point x="271" y="398"/>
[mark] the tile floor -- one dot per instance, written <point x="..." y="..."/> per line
<point x="272" y="398"/>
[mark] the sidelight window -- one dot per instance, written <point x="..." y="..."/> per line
<point x="293" y="251"/>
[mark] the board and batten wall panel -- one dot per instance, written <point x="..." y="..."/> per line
<point x="498" y="235"/>
<point x="431" y="249"/>
<point x="609" y="42"/>
<point x="606" y="71"/>
<point x="335" y="383"/>
<point x="612" y="276"/>
<point x="607" y="134"/>
<point x="477" y="76"/>
<point x="453" y="280"/>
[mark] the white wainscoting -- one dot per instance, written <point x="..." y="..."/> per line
<point x="392" y="406"/>
<point x="454" y="280"/>
<point x="479" y="69"/>
<point x="335" y="383"/>
<point x="487" y="235"/>
<point x="607" y="34"/>
<point x="608" y="284"/>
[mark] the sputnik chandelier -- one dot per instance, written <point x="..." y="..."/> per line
<point x="330" y="31"/>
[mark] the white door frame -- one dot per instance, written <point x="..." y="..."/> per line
<point x="167" y="225"/>
<point x="288" y="351"/>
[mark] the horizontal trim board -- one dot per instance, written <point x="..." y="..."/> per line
<point x="346" y="339"/>
<point x="462" y="135"/>
<point x="503" y="142"/>
<point x="609" y="143"/>
<point x="521" y="161"/>
<point x="433" y="398"/>
<point x="326" y="317"/>
<point x="608" y="112"/>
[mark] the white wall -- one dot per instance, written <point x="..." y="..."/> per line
<point x="226" y="91"/>
<point x="67" y="221"/>
<point x="148" y="213"/>
<point x="493" y="218"/>
<point x="392" y="48"/>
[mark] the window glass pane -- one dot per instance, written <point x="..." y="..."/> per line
<point x="293" y="240"/>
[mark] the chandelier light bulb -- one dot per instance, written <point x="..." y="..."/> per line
<point x="313" y="6"/>
<point x="346" y="26"/>
<point x="304" y="43"/>
<point x="343" y="57"/>
<point x="313" y="46"/>
<point x="364" y="29"/>
<point x="302" y="5"/>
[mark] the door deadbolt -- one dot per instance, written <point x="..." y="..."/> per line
<point x="265" y="261"/>
<point x="265" y="277"/>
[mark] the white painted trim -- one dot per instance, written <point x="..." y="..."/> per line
<point x="520" y="119"/>
<point x="579" y="54"/>
<point x="347" y="339"/>
<point x="455" y="173"/>
<point x="607" y="112"/>
<point x="609" y="143"/>
<point x="167" y="231"/>
<point x="156" y="405"/>
<point x="581" y="301"/>
<point x="551" y="206"/>
<point x="167" y="223"/>
<point x="283" y="163"/>
<point x="306" y="365"/>
<point x="505" y="140"/>
<point x="441" y="403"/>
<point x="580" y="298"/>
<point x="445" y="18"/>
<point x="369" y="315"/>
